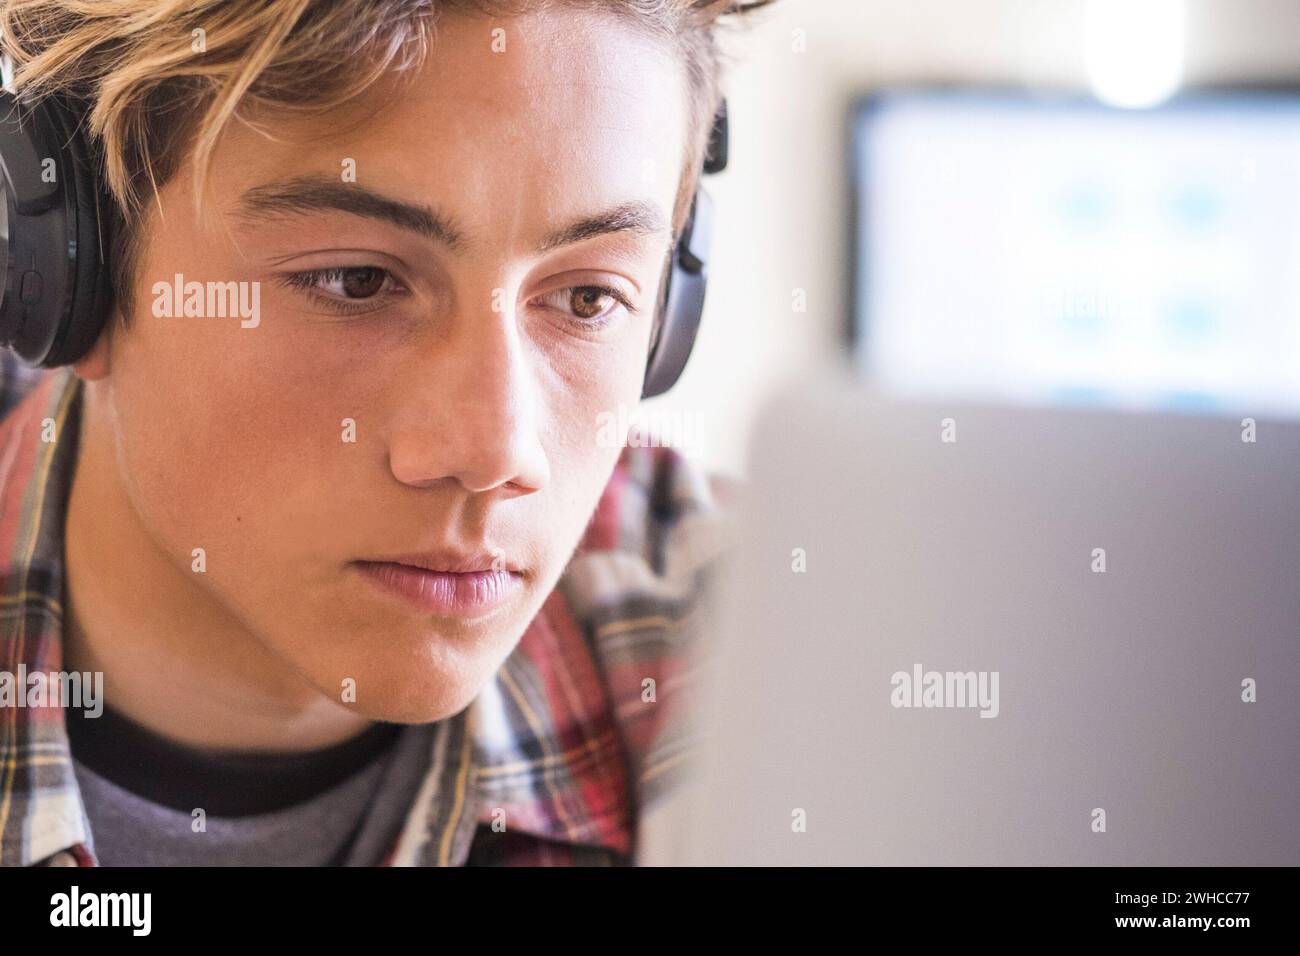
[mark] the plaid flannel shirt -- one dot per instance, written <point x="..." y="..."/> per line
<point x="563" y="739"/>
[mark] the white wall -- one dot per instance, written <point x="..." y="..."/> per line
<point x="782" y="203"/>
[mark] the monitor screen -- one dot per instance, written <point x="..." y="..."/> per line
<point x="1010" y="248"/>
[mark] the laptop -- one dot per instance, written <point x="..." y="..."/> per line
<point x="983" y="634"/>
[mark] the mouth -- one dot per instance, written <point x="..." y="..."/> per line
<point x="453" y="585"/>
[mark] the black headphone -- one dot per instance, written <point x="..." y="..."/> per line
<point x="55" y="235"/>
<point x="686" y="277"/>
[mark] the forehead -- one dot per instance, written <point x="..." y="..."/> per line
<point x="562" y="111"/>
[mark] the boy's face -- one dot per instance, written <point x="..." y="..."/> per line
<point x="457" y="346"/>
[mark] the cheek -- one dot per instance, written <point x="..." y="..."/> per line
<point x="593" y="395"/>
<point x="588" y="376"/>
<point x="210" y="441"/>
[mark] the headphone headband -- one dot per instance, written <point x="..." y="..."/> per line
<point x="687" y="276"/>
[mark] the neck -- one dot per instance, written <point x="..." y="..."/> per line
<point x="175" y="659"/>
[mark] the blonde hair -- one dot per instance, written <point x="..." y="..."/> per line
<point x="150" y="102"/>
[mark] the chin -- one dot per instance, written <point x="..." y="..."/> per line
<point x="423" y="711"/>
<point x="416" y="677"/>
<point x="415" y="700"/>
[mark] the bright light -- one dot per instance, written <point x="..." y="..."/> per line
<point x="1135" y="50"/>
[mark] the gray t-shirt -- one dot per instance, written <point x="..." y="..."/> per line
<point x="354" y="823"/>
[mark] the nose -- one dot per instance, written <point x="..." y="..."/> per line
<point x="469" y="411"/>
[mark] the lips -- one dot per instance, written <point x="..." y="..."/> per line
<point x="450" y="584"/>
<point x="453" y="562"/>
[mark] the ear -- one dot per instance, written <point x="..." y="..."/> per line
<point x="94" y="364"/>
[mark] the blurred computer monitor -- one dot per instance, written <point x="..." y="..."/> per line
<point x="1064" y="252"/>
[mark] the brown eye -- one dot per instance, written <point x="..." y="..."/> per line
<point x="591" y="306"/>
<point x="349" y="290"/>
<point x="362" y="282"/>
<point x="586" y="301"/>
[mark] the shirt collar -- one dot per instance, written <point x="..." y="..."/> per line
<point x="40" y="806"/>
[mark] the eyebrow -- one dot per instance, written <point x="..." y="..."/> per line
<point x="306" y="195"/>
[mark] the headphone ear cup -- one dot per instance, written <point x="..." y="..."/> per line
<point x="56" y="288"/>
<point x="683" y="301"/>
<point x="90" y="300"/>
